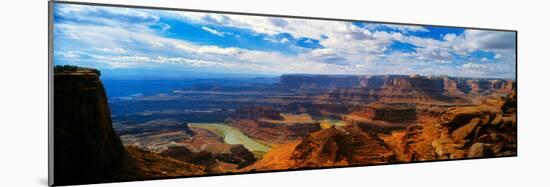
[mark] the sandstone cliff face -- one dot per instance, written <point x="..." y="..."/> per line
<point x="304" y="81"/>
<point x="486" y="130"/>
<point x="385" y="112"/>
<point x="402" y="88"/>
<point x="86" y="148"/>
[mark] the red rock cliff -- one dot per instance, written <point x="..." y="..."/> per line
<point x="86" y="148"/>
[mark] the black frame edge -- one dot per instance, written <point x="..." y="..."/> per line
<point x="50" y="86"/>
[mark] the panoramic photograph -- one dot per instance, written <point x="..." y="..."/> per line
<point x="143" y="94"/>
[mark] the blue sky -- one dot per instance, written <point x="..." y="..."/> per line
<point x="124" y="42"/>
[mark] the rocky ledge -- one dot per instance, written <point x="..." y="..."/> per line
<point x="335" y="146"/>
<point x="486" y="130"/>
<point x="87" y="149"/>
<point x="265" y="123"/>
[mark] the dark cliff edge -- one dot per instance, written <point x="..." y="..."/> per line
<point x="86" y="148"/>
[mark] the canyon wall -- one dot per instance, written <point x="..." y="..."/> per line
<point x="414" y="88"/>
<point x="86" y="148"/>
<point x="385" y="112"/>
<point x="265" y="123"/>
<point x="318" y="81"/>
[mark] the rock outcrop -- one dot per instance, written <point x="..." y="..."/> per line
<point x="374" y="126"/>
<point x="385" y="112"/>
<point x="274" y="133"/>
<point x="289" y="128"/>
<point x="143" y="164"/>
<point x="335" y="146"/>
<point x="485" y="130"/>
<point x="267" y="124"/>
<point x="233" y="154"/>
<point x="209" y="150"/>
<point x="341" y="146"/>
<point x="86" y="147"/>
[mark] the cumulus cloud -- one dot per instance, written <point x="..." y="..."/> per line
<point x="124" y="38"/>
<point x="472" y="40"/>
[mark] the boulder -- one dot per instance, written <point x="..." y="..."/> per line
<point x="478" y="150"/>
<point x="465" y="131"/>
<point x="456" y="117"/>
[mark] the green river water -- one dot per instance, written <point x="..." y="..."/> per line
<point x="232" y="135"/>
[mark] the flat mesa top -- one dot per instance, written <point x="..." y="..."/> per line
<point x="74" y="70"/>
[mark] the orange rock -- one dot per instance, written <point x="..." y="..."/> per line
<point x="464" y="131"/>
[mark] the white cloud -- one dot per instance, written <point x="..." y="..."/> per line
<point x="164" y="26"/>
<point x="434" y="53"/>
<point x="156" y="44"/>
<point x="112" y="50"/>
<point x="488" y="70"/>
<point x="472" y="40"/>
<point x="348" y="48"/>
<point x="125" y="17"/>
<point x="473" y="66"/>
<point x="403" y="28"/>
<point x="212" y="31"/>
<point x="284" y="40"/>
<point x="346" y="40"/>
<point x="68" y="54"/>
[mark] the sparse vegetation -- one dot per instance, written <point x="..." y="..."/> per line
<point x="73" y="69"/>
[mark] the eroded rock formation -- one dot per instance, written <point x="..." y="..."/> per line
<point x="484" y="130"/>
<point x="385" y="112"/>
<point x="268" y="125"/>
<point x="335" y="146"/>
<point x="414" y="88"/>
<point x="341" y="146"/>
